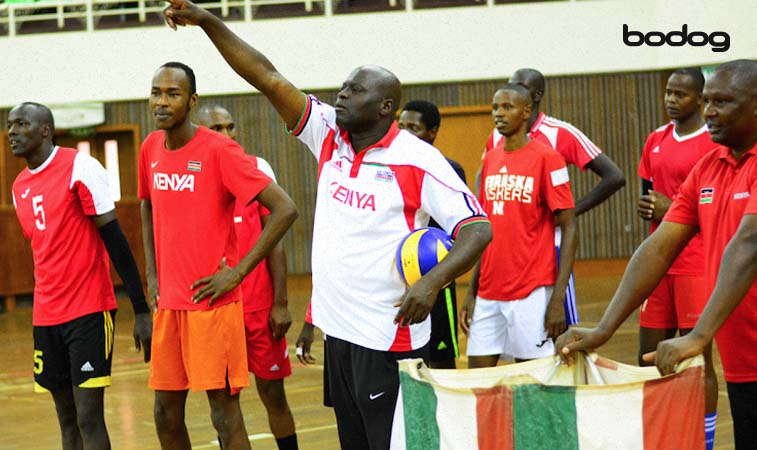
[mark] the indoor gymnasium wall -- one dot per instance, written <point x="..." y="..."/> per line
<point x="616" y="111"/>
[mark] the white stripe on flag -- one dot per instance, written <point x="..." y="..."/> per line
<point x="610" y="417"/>
<point x="456" y="417"/>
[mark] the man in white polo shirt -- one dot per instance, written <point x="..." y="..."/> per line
<point x="376" y="183"/>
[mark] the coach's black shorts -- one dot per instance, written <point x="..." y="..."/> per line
<point x="76" y="353"/>
<point x="443" y="345"/>
<point x="363" y="385"/>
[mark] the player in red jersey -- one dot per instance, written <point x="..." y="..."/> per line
<point x="514" y="304"/>
<point x="375" y="184"/>
<point x="576" y="148"/>
<point x="266" y="316"/>
<point x="190" y="179"/>
<point x="718" y="200"/>
<point x="669" y="154"/>
<point x="65" y="208"/>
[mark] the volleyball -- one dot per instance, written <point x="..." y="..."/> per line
<point x="420" y="251"/>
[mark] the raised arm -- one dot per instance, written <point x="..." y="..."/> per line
<point x="738" y="269"/>
<point x="646" y="268"/>
<point x="611" y="180"/>
<point x="249" y="63"/>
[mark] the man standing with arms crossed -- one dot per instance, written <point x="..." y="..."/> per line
<point x="718" y="200"/>
<point x="576" y="149"/>
<point x="669" y="154"/>
<point x="266" y="316"/>
<point x="190" y="179"/>
<point x="376" y="184"/>
<point x="65" y="208"/>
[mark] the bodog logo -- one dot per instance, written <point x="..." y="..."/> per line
<point x="719" y="40"/>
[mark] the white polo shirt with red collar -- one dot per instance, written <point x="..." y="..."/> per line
<point x="366" y="203"/>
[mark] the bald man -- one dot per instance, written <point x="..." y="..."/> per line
<point x="376" y="183"/>
<point x="264" y="296"/>
<point x="514" y="304"/>
<point x="718" y="200"/>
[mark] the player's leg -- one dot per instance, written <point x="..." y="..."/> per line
<point x="66" y="410"/>
<point x="169" y="379"/>
<point x="526" y="337"/>
<point x="443" y="344"/>
<point x="341" y="388"/>
<point x="169" y="420"/>
<point x="90" y="344"/>
<point x="91" y="417"/>
<point x="268" y="360"/>
<point x="226" y="415"/>
<point x="743" y="397"/>
<point x="570" y="303"/>
<point x="377" y="383"/>
<point x="487" y="334"/>
<point x="279" y="415"/>
<point x="52" y="373"/>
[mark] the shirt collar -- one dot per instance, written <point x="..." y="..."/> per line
<point x="725" y="154"/>
<point x="384" y="142"/>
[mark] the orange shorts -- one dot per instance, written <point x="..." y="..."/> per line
<point x="197" y="350"/>
<point x="677" y="302"/>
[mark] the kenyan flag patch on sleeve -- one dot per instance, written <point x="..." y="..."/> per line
<point x="705" y="195"/>
<point x="194" y="166"/>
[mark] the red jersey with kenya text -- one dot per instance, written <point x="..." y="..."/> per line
<point x="193" y="191"/>
<point x="666" y="161"/>
<point x="257" y="286"/>
<point x="55" y="203"/>
<point x="567" y="140"/>
<point x="366" y="203"/>
<point x="715" y="197"/>
<point x="520" y="191"/>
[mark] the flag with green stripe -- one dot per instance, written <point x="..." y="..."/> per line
<point x="542" y="405"/>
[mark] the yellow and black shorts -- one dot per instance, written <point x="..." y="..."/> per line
<point x="76" y="353"/>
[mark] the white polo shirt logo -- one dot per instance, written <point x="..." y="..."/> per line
<point x="351" y="197"/>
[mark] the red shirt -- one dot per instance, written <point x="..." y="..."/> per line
<point x="520" y="191"/>
<point x="193" y="190"/>
<point x="257" y="287"/>
<point x="666" y="160"/>
<point x="54" y="204"/>
<point x="567" y="140"/>
<point x="715" y="197"/>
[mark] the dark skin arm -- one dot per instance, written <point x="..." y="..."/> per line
<point x="142" y="321"/>
<point x="646" y="268"/>
<point x="554" y="320"/>
<point x="249" y="63"/>
<point x="469" y="305"/>
<point x="304" y="342"/>
<point x="280" y="319"/>
<point x="283" y="214"/>
<point x="151" y="267"/>
<point x="653" y="206"/>
<point x="611" y="180"/>
<point x="419" y="299"/>
<point x="738" y="269"/>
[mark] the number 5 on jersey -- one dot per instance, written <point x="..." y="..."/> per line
<point x="39" y="213"/>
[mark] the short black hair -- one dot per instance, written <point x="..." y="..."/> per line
<point x="517" y="88"/>
<point x="744" y="71"/>
<point x="187" y="70"/>
<point x="429" y="112"/>
<point x="695" y="73"/>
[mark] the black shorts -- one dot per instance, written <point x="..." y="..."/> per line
<point x="76" y="353"/>
<point x="443" y="344"/>
<point x="743" y="397"/>
<point x="363" y="385"/>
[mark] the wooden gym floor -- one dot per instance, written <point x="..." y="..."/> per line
<point x="28" y="420"/>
